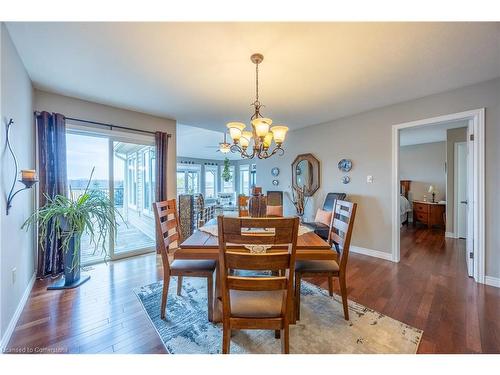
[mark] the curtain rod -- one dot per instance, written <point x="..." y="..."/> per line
<point x="111" y="126"/>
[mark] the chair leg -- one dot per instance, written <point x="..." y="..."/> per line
<point x="297" y="297"/>
<point x="277" y="334"/>
<point x="343" y="292"/>
<point x="179" y="285"/>
<point x="166" y="282"/>
<point x="210" y="297"/>
<point x="285" y="339"/>
<point x="226" y="338"/>
<point x="330" y="285"/>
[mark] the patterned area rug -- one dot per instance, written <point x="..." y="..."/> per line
<point x="321" y="329"/>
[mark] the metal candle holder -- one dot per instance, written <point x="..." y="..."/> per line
<point x="28" y="183"/>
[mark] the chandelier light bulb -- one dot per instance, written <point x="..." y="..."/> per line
<point x="279" y="133"/>
<point x="261" y="126"/>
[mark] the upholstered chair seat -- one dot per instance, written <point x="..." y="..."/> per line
<point x="319" y="266"/>
<point x="256" y="304"/>
<point x="193" y="265"/>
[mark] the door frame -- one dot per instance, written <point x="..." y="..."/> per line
<point x="476" y="127"/>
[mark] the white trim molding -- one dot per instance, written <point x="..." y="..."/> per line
<point x="476" y="127"/>
<point x="492" y="281"/>
<point x="450" y="235"/>
<point x="17" y="314"/>
<point x="371" y="252"/>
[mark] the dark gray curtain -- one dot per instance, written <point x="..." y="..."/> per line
<point x="161" y="140"/>
<point x="51" y="131"/>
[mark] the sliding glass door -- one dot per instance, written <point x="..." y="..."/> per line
<point x="125" y="170"/>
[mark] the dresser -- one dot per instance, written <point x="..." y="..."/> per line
<point x="429" y="213"/>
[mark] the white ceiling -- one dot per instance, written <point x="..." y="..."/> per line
<point x="194" y="142"/>
<point x="201" y="75"/>
<point x="428" y="134"/>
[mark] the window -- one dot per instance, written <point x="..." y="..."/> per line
<point x="132" y="180"/>
<point x="211" y="181"/>
<point x="188" y="179"/>
<point x="245" y="179"/>
<point x="228" y="187"/>
<point x="148" y="178"/>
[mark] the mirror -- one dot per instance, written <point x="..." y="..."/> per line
<point x="305" y="173"/>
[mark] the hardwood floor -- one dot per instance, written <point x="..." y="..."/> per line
<point x="428" y="289"/>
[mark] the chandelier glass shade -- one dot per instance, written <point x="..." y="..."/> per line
<point x="258" y="141"/>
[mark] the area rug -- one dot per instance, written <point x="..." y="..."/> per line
<point x="322" y="328"/>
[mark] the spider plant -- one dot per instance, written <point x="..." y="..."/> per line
<point x="66" y="218"/>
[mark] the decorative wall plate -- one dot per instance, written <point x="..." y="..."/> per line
<point x="276" y="182"/>
<point x="346" y="179"/>
<point x="275" y="171"/>
<point x="345" y="165"/>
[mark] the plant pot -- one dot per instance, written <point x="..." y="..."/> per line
<point x="72" y="260"/>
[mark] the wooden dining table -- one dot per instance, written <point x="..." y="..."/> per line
<point x="204" y="246"/>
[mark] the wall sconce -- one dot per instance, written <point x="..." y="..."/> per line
<point x="28" y="176"/>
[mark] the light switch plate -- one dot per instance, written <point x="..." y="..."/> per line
<point x="369" y="179"/>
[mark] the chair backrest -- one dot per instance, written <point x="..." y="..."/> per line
<point x="341" y="230"/>
<point x="167" y="227"/>
<point x="275" y="198"/>
<point x="234" y="237"/>
<point x="243" y="206"/>
<point x="330" y="200"/>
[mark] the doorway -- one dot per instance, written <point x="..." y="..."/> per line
<point x="475" y="211"/>
<point x="124" y="169"/>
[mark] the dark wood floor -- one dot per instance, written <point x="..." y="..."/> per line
<point x="428" y="289"/>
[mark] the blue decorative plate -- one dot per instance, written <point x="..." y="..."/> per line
<point x="345" y="165"/>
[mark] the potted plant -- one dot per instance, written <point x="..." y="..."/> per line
<point x="67" y="219"/>
<point x="226" y="172"/>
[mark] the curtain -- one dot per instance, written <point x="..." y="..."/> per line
<point x="51" y="132"/>
<point x="161" y="140"/>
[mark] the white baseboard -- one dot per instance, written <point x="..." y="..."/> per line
<point x="492" y="281"/>
<point x="13" y="322"/>
<point x="371" y="252"/>
<point x="450" y="235"/>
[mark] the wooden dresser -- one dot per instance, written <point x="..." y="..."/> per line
<point x="429" y="213"/>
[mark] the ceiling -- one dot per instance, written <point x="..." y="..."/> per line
<point x="428" y="134"/>
<point x="194" y="142"/>
<point x="201" y="74"/>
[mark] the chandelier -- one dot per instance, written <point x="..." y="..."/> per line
<point x="258" y="141"/>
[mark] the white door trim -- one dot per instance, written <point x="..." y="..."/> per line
<point x="476" y="126"/>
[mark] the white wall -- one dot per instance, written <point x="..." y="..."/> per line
<point x="16" y="245"/>
<point x="366" y="139"/>
<point x="424" y="165"/>
<point x="82" y="109"/>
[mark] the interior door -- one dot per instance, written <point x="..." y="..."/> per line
<point x="461" y="202"/>
<point x="470" y="205"/>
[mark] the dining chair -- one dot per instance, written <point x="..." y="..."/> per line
<point x="274" y="203"/>
<point x="167" y="226"/>
<point x="340" y="239"/>
<point x="322" y="223"/>
<point x="257" y="301"/>
<point x="243" y="206"/>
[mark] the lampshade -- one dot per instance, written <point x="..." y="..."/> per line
<point x="268" y="139"/>
<point x="431" y="189"/>
<point x="261" y="126"/>
<point x="235" y="129"/>
<point x="224" y="147"/>
<point x="279" y="133"/>
<point x="245" y="139"/>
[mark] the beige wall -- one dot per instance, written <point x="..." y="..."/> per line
<point x="16" y="245"/>
<point x="77" y="108"/>
<point x="424" y="165"/>
<point x="366" y="139"/>
<point x="452" y="136"/>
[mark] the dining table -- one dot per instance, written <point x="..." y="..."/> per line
<point x="204" y="246"/>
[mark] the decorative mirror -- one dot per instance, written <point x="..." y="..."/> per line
<point x="305" y="173"/>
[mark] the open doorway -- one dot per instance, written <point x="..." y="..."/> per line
<point x="438" y="186"/>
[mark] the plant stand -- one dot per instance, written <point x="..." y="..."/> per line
<point x="72" y="277"/>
